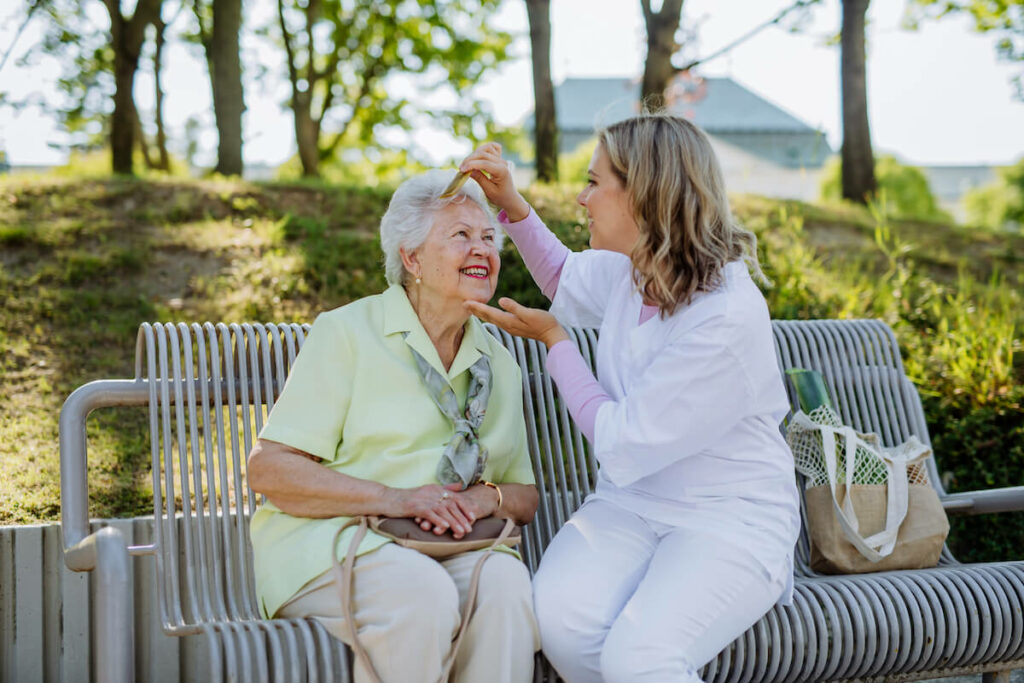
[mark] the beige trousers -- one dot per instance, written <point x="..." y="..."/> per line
<point x="407" y="610"/>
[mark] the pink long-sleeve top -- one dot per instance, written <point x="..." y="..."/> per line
<point x="544" y="256"/>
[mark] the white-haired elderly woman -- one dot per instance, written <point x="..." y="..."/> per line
<point x="360" y="428"/>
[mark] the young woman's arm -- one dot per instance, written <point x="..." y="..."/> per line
<point x="542" y="252"/>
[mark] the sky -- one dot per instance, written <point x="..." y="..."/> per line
<point x="936" y="96"/>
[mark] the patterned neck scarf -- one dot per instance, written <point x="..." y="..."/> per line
<point x="464" y="456"/>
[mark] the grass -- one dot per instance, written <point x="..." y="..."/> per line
<point x="84" y="260"/>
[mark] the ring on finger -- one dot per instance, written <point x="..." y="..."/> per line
<point x="445" y="496"/>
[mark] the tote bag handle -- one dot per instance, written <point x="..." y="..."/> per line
<point x="880" y="544"/>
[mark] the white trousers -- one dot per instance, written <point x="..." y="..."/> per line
<point x="621" y="598"/>
<point x="407" y="606"/>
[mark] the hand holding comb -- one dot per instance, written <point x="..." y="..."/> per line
<point x="458" y="181"/>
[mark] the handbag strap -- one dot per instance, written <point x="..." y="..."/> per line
<point x="474" y="584"/>
<point x="343" y="578"/>
<point x="344" y="575"/>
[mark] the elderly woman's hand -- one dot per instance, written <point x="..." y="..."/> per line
<point x="517" y="502"/>
<point x="520" y="320"/>
<point x="475" y="502"/>
<point x="494" y="175"/>
<point x="439" y="506"/>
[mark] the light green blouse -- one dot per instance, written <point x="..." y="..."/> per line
<point x="355" y="398"/>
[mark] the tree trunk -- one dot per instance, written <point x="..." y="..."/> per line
<point x="307" y="127"/>
<point x="858" y="163"/>
<point x="124" y="116"/>
<point x="307" y="134"/>
<point x="164" y="163"/>
<point x="140" y="140"/>
<point x="545" y="132"/>
<point x="226" y="81"/>
<point x="661" y="45"/>
<point x="126" y="36"/>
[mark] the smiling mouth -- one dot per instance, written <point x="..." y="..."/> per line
<point x="478" y="272"/>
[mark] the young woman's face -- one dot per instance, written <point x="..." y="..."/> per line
<point x="459" y="259"/>
<point x="611" y="223"/>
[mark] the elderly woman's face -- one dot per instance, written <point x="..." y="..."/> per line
<point x="459" y="259"/>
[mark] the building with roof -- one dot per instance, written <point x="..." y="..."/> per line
<point x="763" y="149"/>
<point x="720" y="106"/>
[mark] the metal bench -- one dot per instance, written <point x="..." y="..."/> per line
<point x="209" y="387"/>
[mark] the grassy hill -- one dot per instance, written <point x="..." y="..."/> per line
<point x="84" y="260"/>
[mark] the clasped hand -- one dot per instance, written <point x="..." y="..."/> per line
<point x="440" y="508"/>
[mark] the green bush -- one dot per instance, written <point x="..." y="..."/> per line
<point x="981" y="447"/>
<point x="903" y="191"/>
<point x="1000" y="205"/>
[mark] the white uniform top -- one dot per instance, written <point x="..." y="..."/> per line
<point x="691" y="436"/>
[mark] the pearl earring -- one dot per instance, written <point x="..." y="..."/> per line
<point x="418" y="281"/>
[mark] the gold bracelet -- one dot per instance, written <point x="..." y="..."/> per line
<point x="496" y="488"/>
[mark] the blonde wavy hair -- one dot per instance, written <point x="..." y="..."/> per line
<point x="677" y="192"/>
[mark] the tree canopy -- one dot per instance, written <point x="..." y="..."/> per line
<point x="340" y="53"/>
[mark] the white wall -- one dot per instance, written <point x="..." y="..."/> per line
<point x="746" y="173"/>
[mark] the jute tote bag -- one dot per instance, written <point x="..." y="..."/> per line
<point x="869" y="508"/>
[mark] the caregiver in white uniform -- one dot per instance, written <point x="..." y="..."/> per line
<point x="688" y="538"/>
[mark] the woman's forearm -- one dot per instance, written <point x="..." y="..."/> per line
<point x="298" y="485"/>
<point x="542" y="251"/>
<point x="582" y="393"/>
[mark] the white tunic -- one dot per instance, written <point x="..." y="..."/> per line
<point x="691" y="437"/>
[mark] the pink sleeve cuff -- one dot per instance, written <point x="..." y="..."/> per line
<point x="582" y="393"/>
<point x="541" y="250"/>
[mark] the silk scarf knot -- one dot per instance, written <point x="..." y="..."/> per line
<point x="464" y="456"/>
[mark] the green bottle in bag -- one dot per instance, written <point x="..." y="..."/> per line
<point x="811" y="392"/>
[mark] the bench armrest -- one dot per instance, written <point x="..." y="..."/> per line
<point x="74" y="488"/>
<point x="105" y="552"/>
<point x="1007" y="499"/>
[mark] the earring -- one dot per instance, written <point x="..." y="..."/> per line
<point x="418" y="281"/>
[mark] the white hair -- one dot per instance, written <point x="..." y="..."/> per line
<point x="410" y="216"/>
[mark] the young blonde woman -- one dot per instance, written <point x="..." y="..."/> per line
<point x="688" y="538"/>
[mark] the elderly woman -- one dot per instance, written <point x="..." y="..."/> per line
<point x="365" y="426"/>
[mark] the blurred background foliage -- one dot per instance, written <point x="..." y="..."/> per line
<point x="902" y="190"/>
<point x="1001" y="204"/>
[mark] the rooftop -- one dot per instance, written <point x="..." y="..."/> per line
<point x="718" y="105"/>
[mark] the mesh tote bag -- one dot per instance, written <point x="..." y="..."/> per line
<point x="869" y="507"/>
